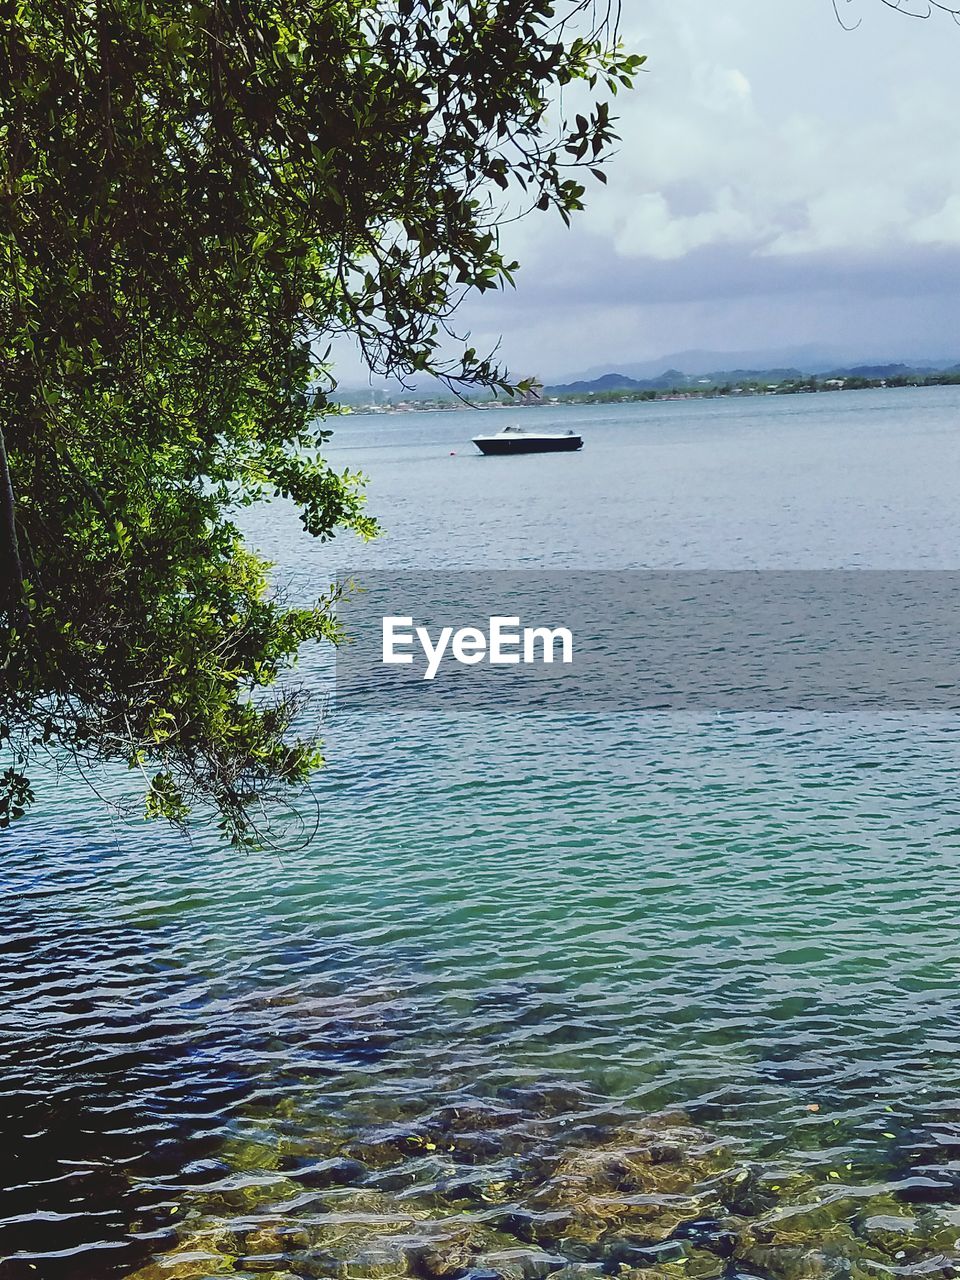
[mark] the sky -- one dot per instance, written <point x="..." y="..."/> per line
<point x="781" y="181"/>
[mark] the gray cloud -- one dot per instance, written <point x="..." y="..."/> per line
<point x="590" y="274"/>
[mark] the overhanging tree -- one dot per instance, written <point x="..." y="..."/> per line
<point x="195" y="197"/>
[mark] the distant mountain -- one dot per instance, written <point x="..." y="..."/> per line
<point x="808" y="359"/>
<point x="621" y="382"/>
<point x="606" y="382"/>
<point x="672" y="379"/>
<point x="669" y="380"/>
<point x="683" y="368"/>
<point x="720" y="376"/>
<point x="880" y="370"/>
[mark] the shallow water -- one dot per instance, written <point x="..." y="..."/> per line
<point x="436" y="1037"/>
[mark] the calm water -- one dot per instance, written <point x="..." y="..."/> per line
<point x="566" y="991"/>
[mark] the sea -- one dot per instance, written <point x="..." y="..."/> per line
<point x="649" y="992"/>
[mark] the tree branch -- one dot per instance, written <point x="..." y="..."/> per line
<point x="12" y="595"/>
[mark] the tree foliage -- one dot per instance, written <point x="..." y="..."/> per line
<point x="194" y="198"/>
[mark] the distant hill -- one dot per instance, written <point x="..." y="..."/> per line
<point x="674" y="379"/>
<point x="606" y="382"/>
<point x="808" y="359"/>
<point x="685" y="369"/>
<point x="669" y="380"/>
<point x="877" y="371"/>
<point x="621" y="382"/>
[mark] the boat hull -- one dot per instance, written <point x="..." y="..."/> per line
<point x="528" y="444"/>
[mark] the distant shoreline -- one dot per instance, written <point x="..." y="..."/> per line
<point x="629" y="395"/>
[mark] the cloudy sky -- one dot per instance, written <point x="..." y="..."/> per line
<point x="781" y="181"/>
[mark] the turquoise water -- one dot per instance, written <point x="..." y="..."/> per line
<point x="550" y="928"/>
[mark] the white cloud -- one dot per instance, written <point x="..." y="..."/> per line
<point x="942" y="227"/>
<point x="650" y="229"/>
<point x="783" y="131"/>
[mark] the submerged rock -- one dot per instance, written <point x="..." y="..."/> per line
<point x="338" y="1171"/>
<point x="453" y="1248"/>
<point x="646" y="1181"/>
<point x="486" y="1190"/>
<point x="523" y="1264"/>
